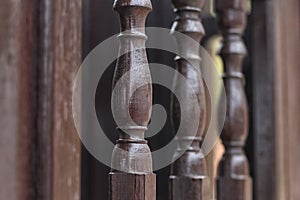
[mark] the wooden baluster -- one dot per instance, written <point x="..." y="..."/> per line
<point x="188" y="179"/>
<point x="233" y="181"/>
<point x="131" y="177"/>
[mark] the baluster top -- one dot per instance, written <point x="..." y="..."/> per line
<point x="118" y="4"/>
<point x="232" y="16"/>
<point x="191" y="5"/>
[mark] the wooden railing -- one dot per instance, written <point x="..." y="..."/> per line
<point x="131" y="176"/>
<point x="234" y="182"/>
<point x="188" y="179"/>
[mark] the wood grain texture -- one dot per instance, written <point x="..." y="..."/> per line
<point x="17" y="98"/>
<point x="67" y="59"/>
<point x="276" y="43"/>
<point x="40" y="51"/>
<point x="286" y="98"/>
<point x="45" y="76"/>
<point x="189" y="179"/>
<point x="131" y="176"/>
<point x="263" y="101"/>
<point x="233" y="181"/>
<point x="59" y="57"/>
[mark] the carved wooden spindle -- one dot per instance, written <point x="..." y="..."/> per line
<point x="233" y="181"/>
<point x="188" y="179"/>
<point x="131" y="177"/>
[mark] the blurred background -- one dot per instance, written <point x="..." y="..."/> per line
<point x="42" y="44"/>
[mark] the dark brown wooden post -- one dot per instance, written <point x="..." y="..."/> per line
<point x="188" y="179"/>
<point x="233" y="181"/>
<point x="131" y="177"/>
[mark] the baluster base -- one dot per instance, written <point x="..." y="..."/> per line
<point x="125" y="186"/>
<point x="239" y="188"/>
<point x="189" y="188"/>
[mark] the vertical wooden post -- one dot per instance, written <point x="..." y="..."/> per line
<point x="131" y="177"/>
<point x="17" y="98"/>
<point x="57" y="159"/>
<point x="40" y="51"/>
<point x="233" y="181"/>
<point x="188" y="179"/>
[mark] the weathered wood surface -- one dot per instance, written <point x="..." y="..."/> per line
<point x="17" y="98"/>
<point x="40" y="54"/>
<point x="287" y="98"/>
<point x="276" y="49"/>
<point x="264" y="124"/>
<point x="233" y="181"/>
<point x="67" y="59"/>
<point x="131" y="177"/>
<point x="57" y="144"/>
<point x="189" y="179"/>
